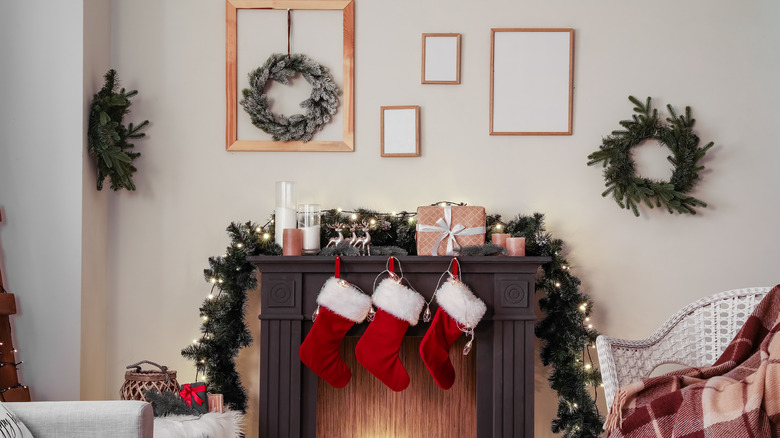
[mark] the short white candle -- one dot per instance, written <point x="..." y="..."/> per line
<point x="311" y="238"/>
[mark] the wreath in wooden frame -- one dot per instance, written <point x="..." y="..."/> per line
<point x="320" y="106"/>
<point x="630" y="190"/>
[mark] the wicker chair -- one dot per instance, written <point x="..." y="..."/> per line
<point x="695" y="336"/>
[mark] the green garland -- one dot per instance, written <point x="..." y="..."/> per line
<point x="107" y="136"/>
<point x="320" y="106"/>
<point x="566" y="335"/>
<point x="630" y="190"/>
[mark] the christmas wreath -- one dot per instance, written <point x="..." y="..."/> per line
<point x="630" y="190"/>
<point x="320" y="106"/>
<point x="107" y="137"/>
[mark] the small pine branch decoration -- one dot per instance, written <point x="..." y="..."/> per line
<point x="168" y="403"/>
<point x="629" y="190"/>
<point x="108" y="138"/>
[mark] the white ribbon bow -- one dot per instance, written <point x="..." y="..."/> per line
<point x="448" y="231"/>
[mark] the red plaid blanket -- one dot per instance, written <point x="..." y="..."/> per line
<point x="738" y="396"/>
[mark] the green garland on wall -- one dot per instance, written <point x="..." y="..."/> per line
<point x="566" y="334"/>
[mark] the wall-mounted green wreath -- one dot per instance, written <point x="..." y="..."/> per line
<point x="107" y="136"/>
<point x="630" y="190"/>
<point x="320" y="106"/>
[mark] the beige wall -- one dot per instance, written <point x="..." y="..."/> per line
<point x="719" y="57"/>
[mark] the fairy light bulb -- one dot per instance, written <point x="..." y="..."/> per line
<point x="557" y="284"/>
<point x="213" y="280"/>
<point x="211" y="296"/>
<point x="587" y="366"/>
<point x="499" y="227"/>
<point x="195" y="341"/>
<point x="372" y="221"/>
<point x="266" y="236"/>
<point x="583" y="307"/>
<point x="258" y="229"/>
<point x="205" y="317"/>
<point x="339" y="210"/>
<point x="240" y="245"/>
<point x="354" y="216"/>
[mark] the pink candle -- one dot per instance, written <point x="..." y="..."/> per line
<point x="500" y="239"/>
<point x="292" y="242"/>
<point x="515" y="246"/>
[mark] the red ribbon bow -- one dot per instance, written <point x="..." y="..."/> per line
<point x="189" y="394"/>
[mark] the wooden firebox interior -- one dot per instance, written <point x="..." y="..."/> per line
<point x="422" y="410"/>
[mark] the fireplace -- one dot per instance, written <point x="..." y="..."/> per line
<point x="503" y="351"/>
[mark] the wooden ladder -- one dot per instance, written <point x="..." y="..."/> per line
<point x="10" y="388"/>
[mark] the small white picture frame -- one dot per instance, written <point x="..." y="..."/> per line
<point x="441" y="58"/>
<point x="400" y="131"/>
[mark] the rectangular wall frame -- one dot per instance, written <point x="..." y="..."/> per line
<point x="531" y="81"/>
<point x="347" y="143"/>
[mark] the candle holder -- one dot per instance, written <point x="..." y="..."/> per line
<point x="309" y="220"/>
<point x="292" y="244"/>
<point x="515" y="246"/>
<point x="284" y="214"/>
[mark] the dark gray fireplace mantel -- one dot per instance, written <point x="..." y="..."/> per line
<point x="504" y="338"/>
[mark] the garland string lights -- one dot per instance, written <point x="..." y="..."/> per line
<point x="566" y="332"/>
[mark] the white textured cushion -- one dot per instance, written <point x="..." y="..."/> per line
<point x="10" y="426"/>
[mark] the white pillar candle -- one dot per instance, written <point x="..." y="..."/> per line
<point x="285" y="218"/>
<point x="284" y="214"/>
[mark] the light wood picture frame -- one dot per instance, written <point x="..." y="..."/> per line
<point x="400" y="131"/>
<point x="531" y="81"/>
<point x="347" y="141"/>
<point x="441" y="58"/>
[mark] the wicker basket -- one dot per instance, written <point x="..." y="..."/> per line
<point x="138" y="381"/>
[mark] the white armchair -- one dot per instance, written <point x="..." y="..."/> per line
<point x="695" y="336"/>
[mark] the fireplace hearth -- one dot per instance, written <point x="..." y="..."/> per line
<point x="504" y="339"/>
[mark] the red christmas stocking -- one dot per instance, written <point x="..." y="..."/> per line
<point x="341" y="305"/>
<point x="398" y="307"/>
<point x="459" y="312"/>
